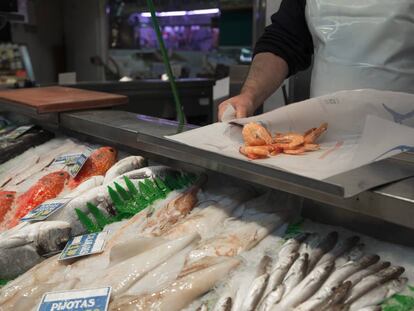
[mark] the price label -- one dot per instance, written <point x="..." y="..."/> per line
<point x="45" y="209"/>
<point x="16" y="133"/>
<point x="79" y="300"/>
<point x="74" y="162"/>
<point x="84" y="245"/>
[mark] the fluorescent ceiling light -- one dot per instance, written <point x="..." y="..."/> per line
<point x="183" y="13"/>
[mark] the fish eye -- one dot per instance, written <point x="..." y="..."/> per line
<point x="9" y="195"/>
<point x="62" y="174"/>
<point x="111" y="150"/>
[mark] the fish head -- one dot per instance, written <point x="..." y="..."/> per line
<point x="55" y="179"/>
<point x="104" y="156"/>
<point x="7" y="196"/>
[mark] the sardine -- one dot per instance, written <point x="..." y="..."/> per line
<point x="324" y="246"/>
<point x="24" y="249"/>
<point x="296" y="273"/>
<point x="255" y="293"/>
<point x="335" y="280"/>
<point x="305" y="289"/>
<point x="123" y="166"/>
<point x="358" y="276"/>
<point x="340" y="248"/>
<point x="279" y="271"/>
<point x="225" y="303"/>
<point x="379" y="294"/>
<point x="272" y="298"/>
<point x="183" y="291"/>
<point x="373" y="281"/>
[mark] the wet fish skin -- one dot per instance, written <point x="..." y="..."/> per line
<point x="46" y="188"/>
<point x="324" y="246"/>
<point x="338" y="296"/>
<point x="279" y="271"/>
<point x="272" y="298"/>
<point x="305" y="289"/>
<point x="87" y="185"/>
<point x="255" y="292"/>
<point x="310" y="242"/>
<point x="379" y="294"/>
<point x="264" y="266"/>
<point x="358" y="276"/>
<point x="353" y="254"/>
<point x="123" y="166"/>
<point x="340" y="248"/>
<point x="6" y="202"/>
<point x="224" y="304"/>
<point x="296" y="273"/>
<point x="373" y="281"/>
<point x="98" y="163"/>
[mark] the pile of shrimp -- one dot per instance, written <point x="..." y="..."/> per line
<point x="260" y="144"/>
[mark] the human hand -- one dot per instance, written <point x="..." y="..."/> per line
<point x="242" y="104"/>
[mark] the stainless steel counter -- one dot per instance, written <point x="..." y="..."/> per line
<point x="393" y="203"/>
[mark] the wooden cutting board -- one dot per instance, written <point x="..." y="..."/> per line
<point x="59" y="99"/>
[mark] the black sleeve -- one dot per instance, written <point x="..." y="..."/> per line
<point x="288" y="36"/>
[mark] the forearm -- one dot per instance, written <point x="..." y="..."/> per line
<point x="266" y="75"/>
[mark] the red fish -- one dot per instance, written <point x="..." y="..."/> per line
<point x="6" y="202"/>
<point x="99" y="162"/>
<point x="46" y="188"/>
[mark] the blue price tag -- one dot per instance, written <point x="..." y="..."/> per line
<point x="84" y="245"/>
<point x="79" y="300"/>
<point x="45" y="209"/>
<point x="74" y="162"/>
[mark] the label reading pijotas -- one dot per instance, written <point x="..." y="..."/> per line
<point x="76" y="300"/>
<point x="84" y="245"/>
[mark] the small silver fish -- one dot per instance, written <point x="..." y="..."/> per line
<point x="305" y="289"/>
<point x="353" y="254"/>
<point x="324" y="246"/>
<point x="373" y="281"/>
<point x="340" y="248"/>
<point x="272" y="298"/>
<point x="379" y="294"/>
<point x="358" y="276"/>
<point x="264" y="266"/>
<point x="255" y="293"/>
<point x="296" y="273"/>
<point x="292" y="245"/>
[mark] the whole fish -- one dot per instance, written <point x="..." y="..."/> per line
<point x="24" y="248"/>
<point x="6" y="202"/>
<point x="379" y="294"/>
<point x="255" y="293"/>
<point x="324" y="246"/>
<point x="340" y="248"/>
<point x="311" y="242"/>
<point x="272" y="298"/>
<point x="305" y="289"/>
<point x="358" y="276"/>
<point x="293" y="245"/>
<point x="296" y="273"/>
<point x="188" y="286"/>
<point x="335" y="280"/>
<point x="123" y="166"/>
<point x="98" y="163"/>
<point x="326" y="299"/>
<point x="87" y="185"/>
<point x="373" y="281"/>
<point x="279" y="271"/>
<point x="48" y="187"/>
<point x="160" y="171"/>
<point x="225" y="303"/>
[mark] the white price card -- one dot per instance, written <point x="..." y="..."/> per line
<point x="45" y="209"/>
<point x="74" y="162"/>
<point x="84" y="245"/>
<point x="16" y="133"/>
<point x="96" y="299"/>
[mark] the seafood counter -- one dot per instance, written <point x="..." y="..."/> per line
<point x="177" y="240"/>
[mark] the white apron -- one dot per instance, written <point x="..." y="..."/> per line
<point x="362" y="44"/>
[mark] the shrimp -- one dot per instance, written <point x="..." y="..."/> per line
<point x="313" y="134"/>
<point x="311" y="147"/>
<point x="256" y="135"/>
<point x="297" y="151"/>
<point x="256" y="152"/>
<point x="289" y="140"/>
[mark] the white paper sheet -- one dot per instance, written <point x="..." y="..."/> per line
<point x="364" y="126"/>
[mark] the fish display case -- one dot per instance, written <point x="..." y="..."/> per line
<point x="382" y="210"/>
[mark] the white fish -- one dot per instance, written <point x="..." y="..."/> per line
<point x="87" y="185"/>
<point x="296" y="273"/>
<point x="123" y="166"/>
<point x="272" y="298"/>
<point x="293" y="245"/>
<point x="373" y="281"/>
<point x="335" y="279"/>
<point x="24" y="248"/>
<point x="379" y="294"/>
<point x="305" y="289"/>
<point x="126" y="273"/>
<point x="340" y="248"/>
<point x="280" y="270"/>
<point x="310" y="242"/>
<point x="189" y="285"/>
<point x="255" y="293"/>
<point x="353" y="254"/>
<point x="358" y="276"/>
<point x="325" y="245"/>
